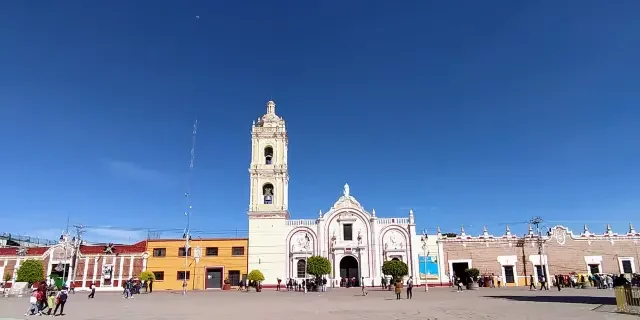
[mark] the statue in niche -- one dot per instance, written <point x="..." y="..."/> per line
<point x="393" y="238"/>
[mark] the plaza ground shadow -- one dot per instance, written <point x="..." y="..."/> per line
<point x="560" y="299"/>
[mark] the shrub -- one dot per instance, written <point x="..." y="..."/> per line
<point x="30" y="271"/>
<point x="255" y="276"/>
<point x="473" y="273"/>
<point x="318" y="266"/>
<point x="395" y="268"/>
<point x="147" y="276"/>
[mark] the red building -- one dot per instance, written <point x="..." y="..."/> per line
<point x="105" y="266"/>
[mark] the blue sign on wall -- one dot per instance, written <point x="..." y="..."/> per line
<point x="428" y="267"/>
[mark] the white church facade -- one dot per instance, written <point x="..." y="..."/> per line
<point x="354" y="239"/>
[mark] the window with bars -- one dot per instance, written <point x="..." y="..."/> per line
<point x="234" y="277"/>
<point x="508" y="274"/>
<point x="159" y="275"/>
<point x="302" y="268"/>
<point x="212" y="251"/>
<point x="160" y="252"/>
<point x="347" y="231"/>
<point x="237" y="251"/>
<point x="181" y="275"/>
<point x="181" y="252"/>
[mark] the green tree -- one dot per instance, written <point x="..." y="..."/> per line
<point x="255" y="276"/>
<point x="7" y="277"/>
<point x="473" y="273"/>
<point x="147" y="276"/>
<point x="30" y="271"/>
<point x="395" y="268"/>
<point x="318" y="266"/>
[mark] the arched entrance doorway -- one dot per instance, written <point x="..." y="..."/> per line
<point x="395" y="259"/>
<point x="349" y="270"/>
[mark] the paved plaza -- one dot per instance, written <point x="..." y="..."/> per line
<point x="438" y="303"/>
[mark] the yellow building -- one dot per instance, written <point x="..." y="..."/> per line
<point x="209" y="262"/>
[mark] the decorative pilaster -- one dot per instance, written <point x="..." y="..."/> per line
<point x="131" y="267"/>
<point x="95" y="270"/>
<point x="84" y="274"/>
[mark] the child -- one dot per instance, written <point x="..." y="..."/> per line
<point x="33" y="300"/>
<point x="51" y="301"/>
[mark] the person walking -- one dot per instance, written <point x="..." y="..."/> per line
<point x="364" y="290"/>
<point x="61" y="298"/>
<point x="532" y="285"/>
<point x="93" y="291"/>
<point x="324" y="284"/>
<point x="410" y="288"/>
<point x="398" y="287"/>
<point x="278" y="286"/>
<point x="33" y="303"/>
<point x="458" y="282"/>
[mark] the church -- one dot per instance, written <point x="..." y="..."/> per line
<point x="355" y="240"/>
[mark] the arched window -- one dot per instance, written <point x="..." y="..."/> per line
<point x="302" y="268"/>
<point x="268" y="155"/>
<point x="267" y="193"/>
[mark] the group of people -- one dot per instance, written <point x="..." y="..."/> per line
<point x="317" y="284"/>
<point x="45" y="298"/>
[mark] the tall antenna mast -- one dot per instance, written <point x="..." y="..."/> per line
<point x="187" y="213"/>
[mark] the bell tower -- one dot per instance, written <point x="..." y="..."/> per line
<point x="268" y="173"/>
<point x="268" y="196"/>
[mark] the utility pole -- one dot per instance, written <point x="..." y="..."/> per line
<point x="187" y="213"/>
<point x="77" y="242"/>
<point x="537" y="221"/>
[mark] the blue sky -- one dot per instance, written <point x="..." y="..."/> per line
<point x="470" y="112"/>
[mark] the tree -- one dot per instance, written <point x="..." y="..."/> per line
<point x="147" y="276"/>
<point x="6" y="277"/>
<point x="30" y="271"/>
<point x="395" y="268"/>
<point x="318" y="266"/>
<point x="255" y="276"/>
<point x="473" y="273"/>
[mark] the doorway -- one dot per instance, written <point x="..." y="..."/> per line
<point x="349" y="269"/>
<point x="60" y="271"/>
<point x="460" y="270"/>
<point x="214" y="278"/>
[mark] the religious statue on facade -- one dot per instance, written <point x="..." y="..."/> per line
<point x="346" y="189"/>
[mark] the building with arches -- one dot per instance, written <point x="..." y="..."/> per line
<point x="354" y="239"/>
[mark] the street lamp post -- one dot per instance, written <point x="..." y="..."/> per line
<point x="424" y="250"/>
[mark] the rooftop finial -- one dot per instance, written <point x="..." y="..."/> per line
<point x="373" y="212"/>
<point x="410" y="212"/>
<point x="631" y="229"/>
<point x="320" y="213"/>
<point x="507" y="231"/>
<point x="462" y="230"/>
<point x="346" y="190"/>
<point x="438" y="230"/>
<point x="585" y="230"/>
<point x="271" y="107"/>
<point x="530" y="231"/>
<point x="608" y="228"/>
<point x="485" y="232"/>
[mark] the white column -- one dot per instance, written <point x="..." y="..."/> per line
<point x="6" y="262"/>
<point x="144" y="264"/>
<point x="375" y="256"/>
<point x="95" y="270"/>
<point x="441" y="272"/>
<point x="130" y="267"/>
<point x="121" y="266"/>
<point x="15" y="270"/>
<point x="50" y="264"/>
<point x="84" y="274"/>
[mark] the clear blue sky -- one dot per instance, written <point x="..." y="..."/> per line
<point x="471" y="112"/>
